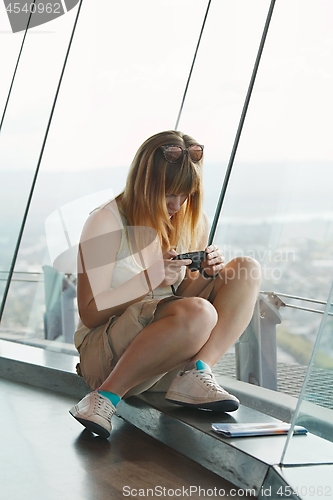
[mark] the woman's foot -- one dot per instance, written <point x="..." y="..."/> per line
<point x="197" y="388"/>
<point x="94" y="411"/>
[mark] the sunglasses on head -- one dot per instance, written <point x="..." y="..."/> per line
<point x="172" y="154"/>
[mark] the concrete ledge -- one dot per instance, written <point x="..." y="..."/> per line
<point x="249" y="463"/>
<point x="176" y="428"/>
<point x="54" y="371"/>
<point x="315" y="418"/>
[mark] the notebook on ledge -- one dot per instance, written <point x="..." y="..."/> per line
<point x="256" y="429"/>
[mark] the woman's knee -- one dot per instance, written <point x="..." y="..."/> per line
<point x="197" y="314"/>
<point x="244" y="268"/>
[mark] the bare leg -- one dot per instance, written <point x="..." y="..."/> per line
<point x="234" y="296"/>
<point x="179" y="331"/>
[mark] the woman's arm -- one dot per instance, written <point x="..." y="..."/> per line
<point x="99" y="245"/>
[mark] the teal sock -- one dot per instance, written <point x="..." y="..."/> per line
<point x="201" y="365"/>
<point x="198" y="365"/>
<point x="114" y="398"/>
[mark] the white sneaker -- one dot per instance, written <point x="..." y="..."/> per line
<point x="94" y="411"/>
<point x="198" y="388"/>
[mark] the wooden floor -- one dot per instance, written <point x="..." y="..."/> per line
<point x="46" y="455"/>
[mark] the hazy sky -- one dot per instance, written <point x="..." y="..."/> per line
<point x="127" y="71"/>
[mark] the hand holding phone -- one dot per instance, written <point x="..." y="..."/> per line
<point x="196" y="257"/>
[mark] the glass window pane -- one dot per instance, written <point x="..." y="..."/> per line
<point x="314" y="409"/>
<point x="123" y="82"/>
<point x="278" y="205"/>
<point x="219" y="84"/>
<point x="24" y="128"/>
<point x="118" y="89"/>
<point x="10" y="46"/>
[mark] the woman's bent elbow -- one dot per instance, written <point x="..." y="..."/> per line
<point x="90" y="319"/>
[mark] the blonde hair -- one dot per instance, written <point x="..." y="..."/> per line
<point x="151" y="177"/>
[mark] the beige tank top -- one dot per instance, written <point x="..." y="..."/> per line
<point x="127" y="266"/>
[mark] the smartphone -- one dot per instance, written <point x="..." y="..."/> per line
<point x="196" y="257"/>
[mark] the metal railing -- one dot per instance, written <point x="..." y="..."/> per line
<point x="275" y="298"/>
